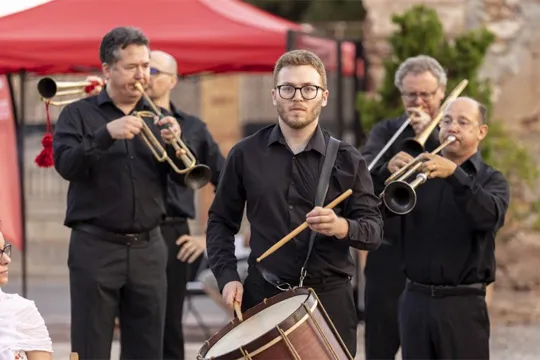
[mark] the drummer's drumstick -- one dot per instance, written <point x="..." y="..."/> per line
<point x="302" y="227"/>
<point x="237" y="310"/>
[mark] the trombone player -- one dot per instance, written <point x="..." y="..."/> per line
<point x="421" y="81"/>
<point x="448" y="243"/>
<point x="115" y="205"/>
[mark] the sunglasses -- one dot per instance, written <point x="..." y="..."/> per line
<point x="156" y="72"/>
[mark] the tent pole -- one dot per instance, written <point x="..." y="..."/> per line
<point x="19" y="115"/>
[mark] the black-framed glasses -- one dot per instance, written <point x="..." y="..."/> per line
<point x="308" y="92"/>
<point x="155" y="72"/>
<point x="411" y="96"/>
<point x="6" y="250"/>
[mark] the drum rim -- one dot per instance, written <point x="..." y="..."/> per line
<point x="291" y="321"/>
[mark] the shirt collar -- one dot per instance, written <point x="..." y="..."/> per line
<point x="316" y="142"/>
<point x="177" y="113"/>
<point x="474" y="163"/>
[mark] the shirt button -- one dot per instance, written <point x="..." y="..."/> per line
<point x="131" y="157"/>
<point x="294" y="157"/>
<point x="290" y="207"/>
<point x="292" y="182"/>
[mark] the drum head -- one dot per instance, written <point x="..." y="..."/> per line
<point x="256" y="326"/>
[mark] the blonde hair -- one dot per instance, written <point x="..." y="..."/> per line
<point x="300" y="58"/>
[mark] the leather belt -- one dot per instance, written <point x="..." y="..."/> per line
<point x="447" y="290"/>
<point x="119" y="238"/>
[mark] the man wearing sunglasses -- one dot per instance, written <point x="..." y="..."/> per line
<point x="185" y="250"/>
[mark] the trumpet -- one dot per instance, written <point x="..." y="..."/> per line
<point x="48" y="88"/>
<point x="415" y="146"/>
<point x="399" y="196"/>
<point x="196" y="176"/>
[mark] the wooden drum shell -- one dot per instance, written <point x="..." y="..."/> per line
<point x="307" y="333"/>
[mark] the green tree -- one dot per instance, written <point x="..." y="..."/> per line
<point x="421" y="32"/>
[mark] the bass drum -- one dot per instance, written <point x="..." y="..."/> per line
<point x="290" y="325"/>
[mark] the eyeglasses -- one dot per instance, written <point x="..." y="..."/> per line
<point x="411" y="96"/>
<point x="308" y="92"/>
<point x="155" y="72"/>
<point x="6" y="250"/>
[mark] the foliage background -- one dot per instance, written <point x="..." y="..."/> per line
<point x="420" y="31"/>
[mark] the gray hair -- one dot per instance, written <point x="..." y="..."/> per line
<point x="418" y="65"/>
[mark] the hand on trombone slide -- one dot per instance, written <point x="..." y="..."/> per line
<point x="398" y="161"/>
<point x="419" y="119"/>
<point x="436" y="166"/>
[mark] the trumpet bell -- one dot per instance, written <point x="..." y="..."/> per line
<point x="399" y="197"/>
<point x="412" y="147"/>
<point x="198" y="176"/>
<point x="47" y="88"/>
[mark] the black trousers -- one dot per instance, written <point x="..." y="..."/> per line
<point x="178" y="275"/>
<point x="443" y="327"/>
<point x="108" y="278"/>
<point x="337" y="299"/>
<point x="385" y="281"/>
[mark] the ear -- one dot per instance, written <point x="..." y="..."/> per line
<point x="274" y="94"/>
<point x="325" y="95"/>
<point x="174" y="81"/>
<point x="106" y="69"/>
<point x="482" y="132"/>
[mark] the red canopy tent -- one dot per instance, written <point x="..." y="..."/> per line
<point x="63" y="36"/>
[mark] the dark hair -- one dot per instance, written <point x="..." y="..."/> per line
<point x="119" y="38"/>
<point x="482" y="109"/>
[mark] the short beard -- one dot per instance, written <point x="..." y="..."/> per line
<point x="296" y="124"/>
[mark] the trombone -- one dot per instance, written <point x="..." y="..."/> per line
<point x="196" y="176"/>
<point x="48" y="88"/>
<point x="399" y="196"/>
<point x="415" y="146"/>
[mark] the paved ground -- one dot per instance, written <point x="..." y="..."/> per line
<point x="52" y="298"/>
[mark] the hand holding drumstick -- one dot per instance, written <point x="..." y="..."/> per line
<point x="322" y="220"/>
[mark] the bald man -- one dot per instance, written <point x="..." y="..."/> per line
<point x="185" y="250"/>
<point x="448" y="243"/>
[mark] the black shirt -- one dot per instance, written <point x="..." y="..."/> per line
<point x="279" y="188"/>
<point x="379" y="136"/>
<point x="114" y="184"/>
<point x="180" y="199"/>
<point x="449" y="237"/>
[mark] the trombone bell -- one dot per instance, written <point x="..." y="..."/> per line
<point x="399" y="196"/>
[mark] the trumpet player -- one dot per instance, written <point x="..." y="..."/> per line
<point x="448" y="243"/>
<point x="115" y="205"/>
<point x="421" y="81"/>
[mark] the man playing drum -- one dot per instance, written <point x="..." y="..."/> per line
<point x="276" y="172"/>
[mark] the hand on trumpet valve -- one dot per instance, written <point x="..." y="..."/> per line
<point x="171" y="129"/>
<point x="326" y="222"/>
<point x="125" y="128"/>
<point x="419" y="119"/>
<point x="436" y="166"/>
<point x="398" y="161"/>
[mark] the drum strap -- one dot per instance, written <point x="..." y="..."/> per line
<point x="322" y="189"/>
